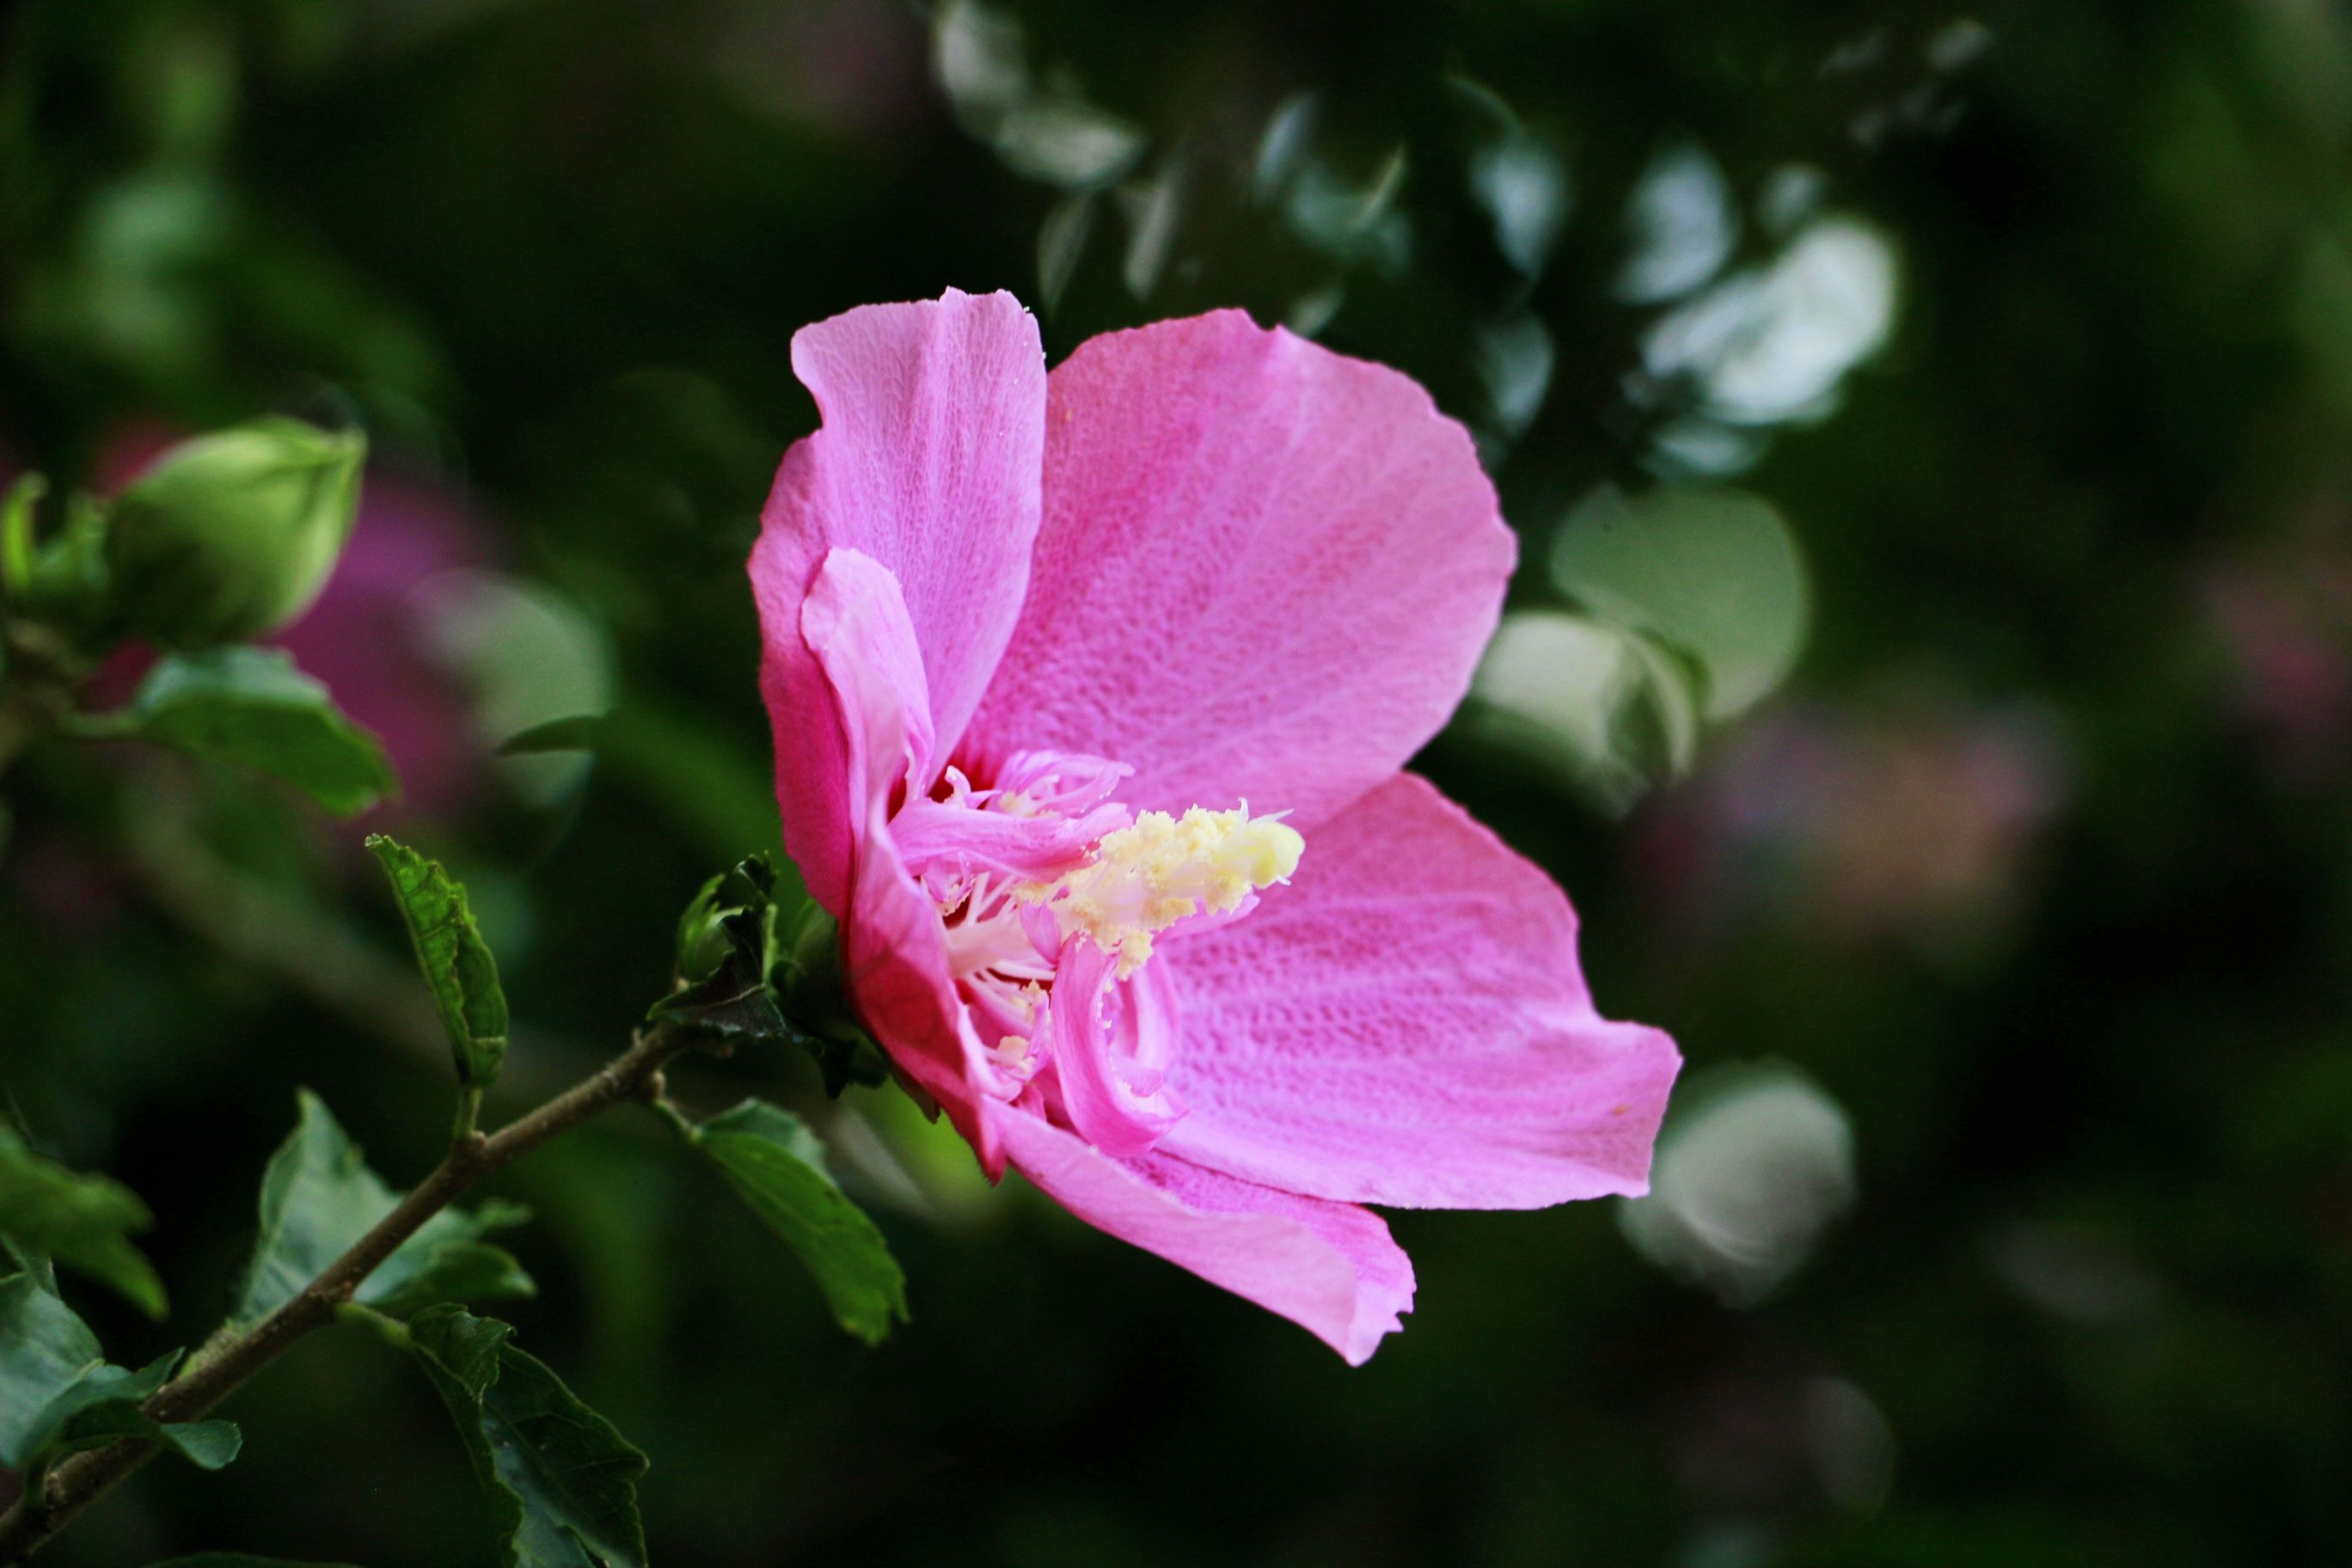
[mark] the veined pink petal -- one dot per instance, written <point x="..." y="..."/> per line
<point x="861" y="643"/>
<point x="927" y="461"/>
<point x="1406" y="1024"/>
<point x="1266" y="571"/>
<point x="1332" y="1268"/>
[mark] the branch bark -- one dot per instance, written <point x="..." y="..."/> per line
<point x="223" y="1365"/>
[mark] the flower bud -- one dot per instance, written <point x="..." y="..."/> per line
<point x="232" y="535"/>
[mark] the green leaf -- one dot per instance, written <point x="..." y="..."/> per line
<point x="239" y="1559"/>
<point x="776" y="1166"/>
<point x="458" y="968"/>
<point x="32" y="1261"/>
<point x="1714" y="573"/>
<point x="251" y="708"/>
<point x="45" y="1350"/>
<point x="460" y="1271"/>
<point x="579" y="733"/>
<point x="318" y="1198"/>
<point x="80" y="1221"/>
<point x="59" y="1395"/>
<point x="562" y="1478"/>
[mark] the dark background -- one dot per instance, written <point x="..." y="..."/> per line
<point x="2005" y="942"/>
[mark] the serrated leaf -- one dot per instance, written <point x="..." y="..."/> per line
<point x="82" y="1221"/>
<point x="562" y="1478"/>
<point x="458" y="968"/>
<point x="59" y="1394"/>
<point x="460" y="1271"/>
<point x="250" y="708"/>
<point x="318" y="1198"/>
<point x="777" y="1166"/>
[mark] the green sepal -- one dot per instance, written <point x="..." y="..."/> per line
<point x="82" y="1221"/>
<point x="563" y="1478"/>
<point x="721" y="969"/>
<point x="62" y="581"/>
<point x="63" y="1396"/>
<point x="754" y="971"/>
<point x="777" y="1167"/>
<point x="318" y="1198"/>
<point x="250" y="708"/>
<point x="458" y="968"/>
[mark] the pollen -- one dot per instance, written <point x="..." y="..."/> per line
<point x="1145" y="877"/>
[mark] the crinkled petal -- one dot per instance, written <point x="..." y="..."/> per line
<point x="1405" y="1023"/>
<point x="1265" y="572"/>
<point x="929" y="462"/>
<point x="1332" y="1268"/>
<point x="861" y="642"/>
<point x="1111" y="1042"/>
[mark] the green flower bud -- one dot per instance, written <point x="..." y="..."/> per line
<point x="232" y="535"/>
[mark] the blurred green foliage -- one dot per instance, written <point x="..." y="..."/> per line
<point x="2030" y="325"/>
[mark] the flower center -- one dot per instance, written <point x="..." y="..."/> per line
<point x="1145" y="877"/>
<point x="1052" y="896"/>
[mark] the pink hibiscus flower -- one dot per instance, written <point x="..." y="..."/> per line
<point x="1091" y="693"/>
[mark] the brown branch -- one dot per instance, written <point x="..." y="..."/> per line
<point x="223" y="1364"/>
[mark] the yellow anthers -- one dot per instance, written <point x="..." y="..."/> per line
<point x="1145" y="877"/>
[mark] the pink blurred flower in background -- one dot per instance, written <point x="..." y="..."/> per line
<point x="2285" y="625"/>
<point x="1918" y="819"/>
<point x="363" y="639"/>
<point x="1090" y="694"/>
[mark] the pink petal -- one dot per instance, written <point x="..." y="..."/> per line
<point x="927" y="460"/>
<point x="861" y="644"/>
<point x="855" y="623"/>
<point x="1331" y="1269"/>
<point x="1265" y="572"/>
<point x="1405" y="1023"/>
<point x="1110" y="1066"/>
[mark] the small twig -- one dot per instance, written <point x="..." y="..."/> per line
<point x="224" y="1363"/>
